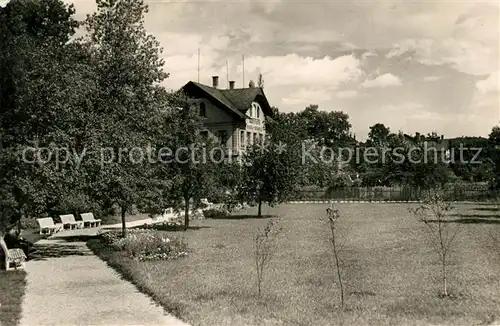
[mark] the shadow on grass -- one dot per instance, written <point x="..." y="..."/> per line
<point x="176" y="228"/>
<point x="481" y="216"/>
<point x="469" y="221"/>
<point x="486" y="209"/>
<point x="240" y="217"/>
<point x="44" y="252"/>
<point x="74" y="238"/>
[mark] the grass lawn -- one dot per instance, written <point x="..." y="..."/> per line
<point x="115" y="219"/>
<point x="12" y="286"/>
<point x="391" y="270"/>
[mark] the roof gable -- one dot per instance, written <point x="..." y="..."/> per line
<point x="237" y="100"/>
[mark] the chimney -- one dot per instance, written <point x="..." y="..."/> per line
<point x="442" y="137"/>
<point x="417" y="136"/>
<point x="215" y="81"/>
<point x="231" y="84"/>
<point x="251" y="84"/>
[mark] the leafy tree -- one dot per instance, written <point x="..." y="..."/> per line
<point x="44" y="89"/>
<point x="270" y="174"/>
<point x="128" y="65"/>
<point x="189" y="161"/>
<point x="330" y="129"/>
<point x="378" y="135"/>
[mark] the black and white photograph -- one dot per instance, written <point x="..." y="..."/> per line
<point x="249" y="162"/>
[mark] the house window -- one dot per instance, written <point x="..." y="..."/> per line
<point x="256" y="138"/>
<point x="242" y="138"/>
<point x="203" y="110"/>
<point x="258" y="112"/>
<point x="249" y="138"/>
<point x="222" y="135"/>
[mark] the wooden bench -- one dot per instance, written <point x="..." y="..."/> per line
<point x="15" y="257"/>
<point x="69" y="220"/>
<point x="47" y="225"/>
<point x="90" y="219"/>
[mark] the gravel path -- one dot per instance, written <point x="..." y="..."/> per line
<point x="69" y="285"/>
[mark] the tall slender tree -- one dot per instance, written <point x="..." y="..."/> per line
<point x="128" y="65"/>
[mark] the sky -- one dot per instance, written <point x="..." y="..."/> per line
<point x="415" y="66"/>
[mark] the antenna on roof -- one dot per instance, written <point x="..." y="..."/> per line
<point x="198" y="65"/>
<point x="227" y="75"/>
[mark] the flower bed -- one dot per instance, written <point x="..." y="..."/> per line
<point x="146" y="244"/>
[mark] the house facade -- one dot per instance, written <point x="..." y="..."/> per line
<point x="234" y="116"/>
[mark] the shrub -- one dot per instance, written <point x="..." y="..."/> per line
<point x="29" y="223"/>
<point x="216" y="212"/>
<point x="164" y="226"/>
<point x="146" y="244"/>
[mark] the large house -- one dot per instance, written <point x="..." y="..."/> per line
<point x="235" y="116"/>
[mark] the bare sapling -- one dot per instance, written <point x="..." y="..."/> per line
<point x="265" y="247"/>
<point x="435" y="213"/>
<point x="332" y="217"/>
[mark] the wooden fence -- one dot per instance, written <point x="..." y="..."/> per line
<point x="459" y="192"/>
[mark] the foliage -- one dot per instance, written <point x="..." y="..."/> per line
<point x="45" y="86"/>
<point x="192" y="163"/>
<point x="435" y="213"/>
<point x="378" y="135"/>
<point x="128" y="66"/>
<point x="163" y="226"/>
<point x="265" y="247"/>
<point x="146" y="244"/>
<point x="216" y="212"/>
<point x="269" y="175"/>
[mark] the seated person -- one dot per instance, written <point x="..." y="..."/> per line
<point x="13" y="240"/>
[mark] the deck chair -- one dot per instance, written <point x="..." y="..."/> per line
<point x="88" y="218"/>
<point x="69" y="219"/>
<point x="48" y="226"/>
<point x="13" y="257"/>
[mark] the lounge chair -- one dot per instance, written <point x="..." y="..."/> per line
<point x="15" y="257"/>
<point x="47" y="225"/>
<point x="88" y="218"/>
<point x="69" y="219"/>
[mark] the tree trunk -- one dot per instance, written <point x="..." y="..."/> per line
<point x="186" y="214"/>
<point x="445" y="285"/>
<point x="339" y="275"/>
<point x="124" y="225"/>
<point x="259" y="214"/>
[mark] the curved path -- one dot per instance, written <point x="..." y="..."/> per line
<point x="68" y="285"/>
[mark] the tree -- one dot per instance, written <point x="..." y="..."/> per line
<point x="378" y="135"/>
<point x="494" y="140"/>
<point x="128" y="67"/>
<point x="435" y="214"/>
<point x="269" y="174"/>
<point x="332" y="217"/>
<point x="330" y="129"/>
<point x="45" y="84"/>
<point x="266" y="246"/>
<point x="192" y="160"/>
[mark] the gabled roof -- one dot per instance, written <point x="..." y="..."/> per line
<point x="237" y="100"/>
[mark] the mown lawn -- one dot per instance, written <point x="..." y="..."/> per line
<point x="12" y="287"/>
<point x="115" y="219"/>
<point x="391" y="270"/>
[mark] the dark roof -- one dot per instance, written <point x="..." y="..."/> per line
<point x="237" y="100"/>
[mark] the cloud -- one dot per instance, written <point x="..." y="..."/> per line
<point x="347" y="94"/>
<point x="293" y="69"/>
<point x="308" y="96"/>
<point x="432" y="78"/>
<point x="489" y="85"/>
<point x="386" y="80"/>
